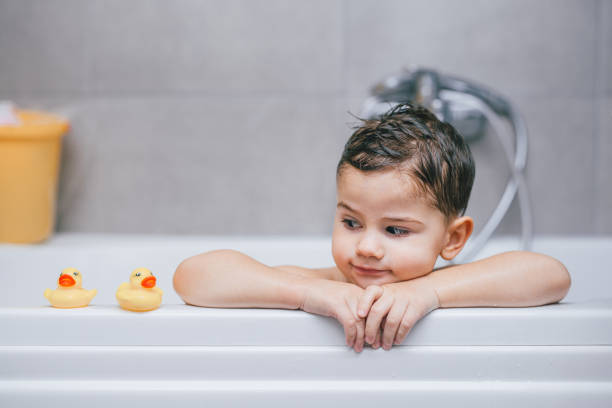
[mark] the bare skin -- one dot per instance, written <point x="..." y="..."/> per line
<point x="227" y="278"/>
<point x="385" y="245"/>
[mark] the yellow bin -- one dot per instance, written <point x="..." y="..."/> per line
<point x="29" y="169"/>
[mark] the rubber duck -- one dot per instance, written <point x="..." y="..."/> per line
<point x="69" y="292"/>
<point x="139" y="294"/>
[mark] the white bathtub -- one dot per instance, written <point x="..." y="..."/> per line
<point x="558" y="355"/>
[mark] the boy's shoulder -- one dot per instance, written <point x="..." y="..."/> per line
<point x="331" y="273"/>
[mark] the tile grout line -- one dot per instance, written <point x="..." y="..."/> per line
<point x="597" y="225"/>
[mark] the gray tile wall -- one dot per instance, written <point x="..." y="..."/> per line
<point x="228" y="117"/>
<point x="603" y="102"/>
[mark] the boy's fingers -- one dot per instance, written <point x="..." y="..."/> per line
<point x="394" y="319"/>
<point x="408" y="322"/>
<point x="359" y="340"/>
<point x="371" y="293"/>
<point x="350" y="335"/>
<point x="377" y="313"/>
<point x="377" y="341"/>
<point x="350" y="330"/>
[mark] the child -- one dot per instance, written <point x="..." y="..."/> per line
<point x="403" y="184"/>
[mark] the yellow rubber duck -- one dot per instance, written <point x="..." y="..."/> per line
<point x="69" y="293"/>
<point x="139" y="294"/>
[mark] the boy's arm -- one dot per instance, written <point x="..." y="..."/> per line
<point x="323" y="273"/>
<point x="227" y="278"/>
<point x="510" y="279"/>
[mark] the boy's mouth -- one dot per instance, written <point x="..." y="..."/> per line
<point x="369" y="271"/>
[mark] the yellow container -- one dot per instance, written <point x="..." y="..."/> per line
<point x="29" y="169"/>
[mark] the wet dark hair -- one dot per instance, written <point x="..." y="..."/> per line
<point x="413" y="140"/>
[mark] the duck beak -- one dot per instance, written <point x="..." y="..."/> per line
<point x="149" y="282"/>
<point x="66" y="281"/>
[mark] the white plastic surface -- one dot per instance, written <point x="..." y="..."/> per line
<point x="557" y="355"/>
<point x="255" y="393"/>
<point x="588" y="323"/>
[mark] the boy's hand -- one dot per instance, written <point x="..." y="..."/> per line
<point x="338" y="300"/>
<point x="394" y="309"/>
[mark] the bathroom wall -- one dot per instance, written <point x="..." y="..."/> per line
<point x="228" y="117"/>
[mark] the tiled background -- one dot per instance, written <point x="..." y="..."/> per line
<point x="228" y="117"/>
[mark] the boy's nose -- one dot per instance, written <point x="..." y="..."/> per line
<point x="369" y="246"/>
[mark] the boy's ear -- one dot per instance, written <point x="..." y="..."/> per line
<point x="457" y="235"/>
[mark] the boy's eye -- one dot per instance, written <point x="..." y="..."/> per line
<point x="351" y="224"/>
<point x="397" y="231"/>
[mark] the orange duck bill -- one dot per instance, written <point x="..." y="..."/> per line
<point x="149" y="282"/>
<point x="66" y="281"/>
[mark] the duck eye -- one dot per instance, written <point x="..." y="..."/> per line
<point x="137" y="273"/>
<point x="75" y="273"/>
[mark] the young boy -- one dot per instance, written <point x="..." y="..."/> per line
<point x="403" y="184"/>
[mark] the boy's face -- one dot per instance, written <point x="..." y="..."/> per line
<point x="384" y="232"/>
